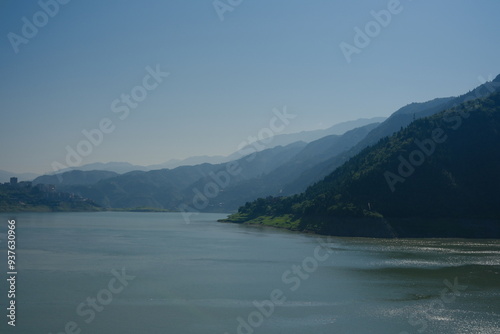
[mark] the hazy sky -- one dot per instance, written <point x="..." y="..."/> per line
<point x="225" y="76"/>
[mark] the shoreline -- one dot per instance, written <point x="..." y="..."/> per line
<point x="383" y="228"/>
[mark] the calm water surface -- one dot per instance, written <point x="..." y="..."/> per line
<point x="209" y="277"/>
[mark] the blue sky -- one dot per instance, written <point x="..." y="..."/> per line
<point x="225" y="76"/>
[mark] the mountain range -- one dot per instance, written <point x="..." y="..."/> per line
<point x="179" y="184"/>
<point x="278" y="140"/>
<point x="185" y="185"/>
<point x="280" y="170"/>
<point x="436" y="177"/>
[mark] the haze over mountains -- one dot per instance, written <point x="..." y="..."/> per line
<point x="437" y="177"/>
<point x="75" y="177"/>
<point x="281" y="139"/>
<point x="278" y="140"/>
<point x="184" y="186"/>
<point x="281" y="170"/>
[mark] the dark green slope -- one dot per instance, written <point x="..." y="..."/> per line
<point x="271" y="182"/>
<point x="399" y="119"/>
<point x="314" y="154"/>
<point x="439" y="177"/>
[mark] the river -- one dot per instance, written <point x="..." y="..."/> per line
<point x="121" y="272"/>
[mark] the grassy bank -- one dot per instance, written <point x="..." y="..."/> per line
<point x="285" y="221"/>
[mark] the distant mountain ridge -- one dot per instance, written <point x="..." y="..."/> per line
<point x="398" y="120"/>
<point x="260" y="173"/>
<point x="116" y="167"/>
<point x="437" y="177"/>
<point x="75" y="177"/>
<point x="337" y="129"/>
<point x="168" y="188"/>
<point x="191" y="161"/>
<point x="278" y="140"/>
<point x="281" y="170"/>
<point x="307" y="136"/>
<point x="274" y="182"/>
